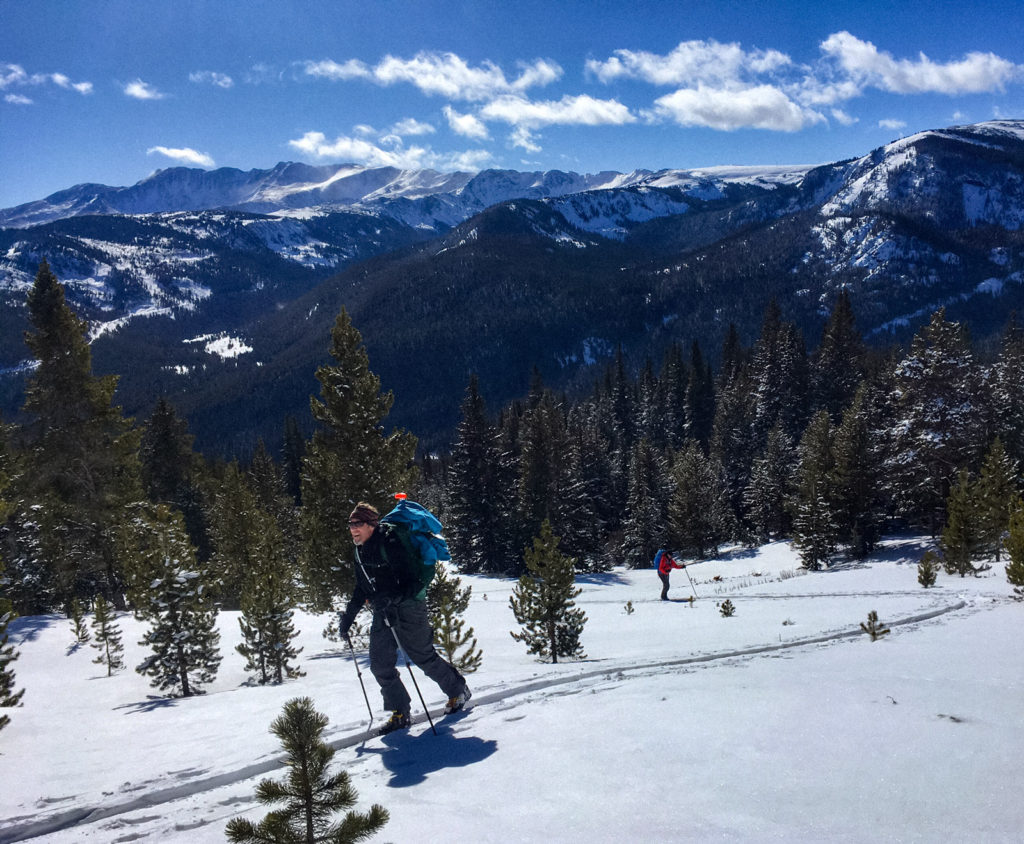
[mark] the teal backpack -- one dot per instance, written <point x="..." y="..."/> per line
<point x="420" y="533"/>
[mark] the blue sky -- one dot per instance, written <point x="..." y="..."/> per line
<point x="110" y="90"/>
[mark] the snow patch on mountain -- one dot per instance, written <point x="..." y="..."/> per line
<point x="223" y="345"/>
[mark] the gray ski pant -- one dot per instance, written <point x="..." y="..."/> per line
<point x="412" y="626"/>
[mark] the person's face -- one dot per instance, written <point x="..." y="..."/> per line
<point x="361" y="531"/>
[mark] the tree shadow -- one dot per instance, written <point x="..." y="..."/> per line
<point x="27" y="628"/>
<point x="150" y="704"/>
<point x="413" y="758"/>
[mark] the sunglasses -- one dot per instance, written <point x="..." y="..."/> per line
<point x="356" y="524"/>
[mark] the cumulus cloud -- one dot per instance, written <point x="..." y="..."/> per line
<point x="443" y="74"/>
<point x="691" y="62"/>
<point x="892" y="123"/>
<point x="412" y="126"/>
<point x="974" y="73"/>
<point x="211" y="77"/>
<point x="568" y="111"/>
<point x="467" y="125"/>
<point x="183" y="155"/>
<point x="17" y="99"/>
<point x="140" y="90"/>
<point x="386" y="151"/>
<point x="757" y="107"/>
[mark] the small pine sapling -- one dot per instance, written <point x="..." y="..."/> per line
<point x="107" y="636"/>
<point x="727" y="608"/>
<point x="8" y="697"/>
<point x="311" y="796"/>
<point x="928" y="569"/>
<point x="875" y="630"/>
<point x="78" y="624"/>
<point x="447" y="600"/>
<point x="629" y="608"/>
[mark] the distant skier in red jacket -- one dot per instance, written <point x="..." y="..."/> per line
<point x="664" y="563"/>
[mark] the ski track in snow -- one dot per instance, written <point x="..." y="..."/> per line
<point x="612" y="672"/>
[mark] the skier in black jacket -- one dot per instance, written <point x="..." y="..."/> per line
<point x="385" y="579"/>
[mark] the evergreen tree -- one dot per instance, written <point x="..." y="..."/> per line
<point x="543" y="444"/>
<point x="814" y="523"/>
<point x="928" y="569"/>
<point x="8" y="697"/>
<point x="583" y="505"/>
<point x="292" y="452"/>
<point x="838" y="364"/>
<point x="646" y="508"/>
<point x="107" y="636"/>
<point x="673" y="382"/>
<point x="175" y="595"/>
<point x="771" y="487"/>
<point x="447" y="602"/>
<point x="941" y="419"/>
<point x="1008" y="391"/>
<point x="856" y="480"/>
<point x="1015" y="548"/>
<point x="477" y="506"/>
<point x="995" y="492"/>
<point x="732" y="434"/>
<point x="699" y="516"/>
<point x="700" y="398"/>
<point x="350" y="459"/>
<point x="961" y="537"/>
<point x="543" y="601"/>
<point x="78" y="626"/>
<point x="779" y="378"/>
<point x="165" y="452"/>
<point x="81" y="464"/>
<point x="311" y="796"/>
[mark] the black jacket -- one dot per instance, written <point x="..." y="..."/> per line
<point x="383" y="573"/>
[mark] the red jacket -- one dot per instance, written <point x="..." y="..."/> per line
<point x="667" y="564"/>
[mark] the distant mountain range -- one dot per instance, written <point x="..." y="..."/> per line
<point x="218" y="288"/>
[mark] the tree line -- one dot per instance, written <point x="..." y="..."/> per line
<point x="829" y="449"/>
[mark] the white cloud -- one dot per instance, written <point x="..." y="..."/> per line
<point x="468" y="125"/>
<point x="974" y="73"/>
<point x="444" y="74"/>
<point x="412" y="126"/>
<point x="523" y="138"/>
<point x="183" y="155"/>
<point x="891" y="123"/>
<point x="387" y="151"/>
<point x="14" y="75"/>
<point x="842" y="117"/>
<point x="758" y="107"/>
<point x="691" y="62"/>
<point x="568" y="111"/>
<point x="17" y="99"/>
<point x="140" y="90"/>
<point x="211" y="77"/>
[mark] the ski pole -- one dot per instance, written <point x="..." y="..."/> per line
<point x="362" y="685"/>
<point x="691" y="581"/>
<point x="408" y="665"/>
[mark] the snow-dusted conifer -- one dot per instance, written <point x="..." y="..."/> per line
<point x="771" y="487"/>
<point x="941" y="420"/>
<point x="928" y="569"/>
<point x="645" y="525"/>
<point x="447" y="602"/>
<point x="107" y="636"/>
<point x="815" y="530"/>
<point x="477" y="510"/>
<point x="8" y="696"/>
<point x="1015" y="548"/>
<point x="79" y="627"/>
<point x="544" y="601"/>
<point x="961" y="537"/>
<point x="310" y="794"/>
<point x="350" y="459"/>
<point x="856" y="477"/>
<point x="171" y="591"/>
<point x="699" y="516"/>
<point x="995" y="492"/>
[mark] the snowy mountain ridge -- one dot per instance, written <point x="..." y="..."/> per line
<point x="419" y="197"/>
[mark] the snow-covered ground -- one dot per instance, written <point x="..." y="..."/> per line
<point x="783" y="722"/>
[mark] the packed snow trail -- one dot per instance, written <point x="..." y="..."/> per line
<point x="87" y="815"/>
